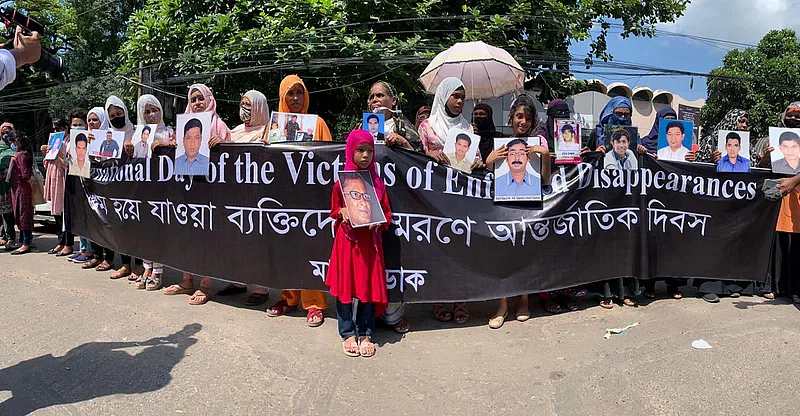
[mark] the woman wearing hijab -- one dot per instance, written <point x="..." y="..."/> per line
<point x="617" y="112"/>
<point x="201" y="100"/>
<point x="651" y="140"/>
<point x="293" y="98"/>
<point x="399" y="131"/>
<point x="8" y="235"/>
<point x="254" y="113"/>
<point x="423" y="114"/>
<point x="483" y="125"/>
<point x="734" y="120"/>
<point x="150" y="111"/>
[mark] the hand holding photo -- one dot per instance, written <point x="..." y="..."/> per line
<point x="568" y="142"/>
<point x="621" y="139"/>
<point x="735" y="148"/>
<point x="519" y="178"/>
<point x="192" y="154"/>
<point x="461" y="148"/>
<point x="79" y="164"/>
<point x="373" y="123"/>
<point x="674" y="139"/>
<point x="107" y="144"/>
<point x="290" y="127"/>
<point x="786" y="156"/>
<point x="54" y="144"/>
<point x="143" y="139"/>
<point x="363" y="206"/>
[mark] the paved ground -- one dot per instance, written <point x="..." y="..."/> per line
<point x="74" y="342"/>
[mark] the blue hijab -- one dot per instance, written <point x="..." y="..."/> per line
<point x="651" y="140"/>
<point x="608" y="118"/>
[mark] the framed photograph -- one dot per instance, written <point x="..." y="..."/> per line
<point x="622" y="142"/>
<point x="735" y="148"/>
<point x="107" y="144"/>
<point x="461" y="147"/>
<point x="674" y="139"/>
<point x="567" y="142"/>
<point x="290" y="127"/>
<point x="192" y="154"/>
<point x="143" y="138"/>
<point x="363" y="206"/>
<point x="518" y="177"/>
<point x="79" y="164"/>
<point x="373" y="123"/>
<point x="55" y="142"/>
<point x="786" y="156"/>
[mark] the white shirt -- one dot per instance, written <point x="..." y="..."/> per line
<point x="679" y="155"/>
<point x="8" y="68"/>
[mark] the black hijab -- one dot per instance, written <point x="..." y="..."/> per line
<point x="486" y="129"/>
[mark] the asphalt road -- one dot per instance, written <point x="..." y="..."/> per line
<point x="74" y="342"/>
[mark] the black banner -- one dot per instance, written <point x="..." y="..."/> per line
<point x="262" y="217"/>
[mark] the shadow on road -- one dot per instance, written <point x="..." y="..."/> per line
<point x="92" y="370"/>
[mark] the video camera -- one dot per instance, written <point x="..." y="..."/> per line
<point x="53" y="65"/>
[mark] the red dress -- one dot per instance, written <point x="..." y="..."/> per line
<point x="356" y="267"/>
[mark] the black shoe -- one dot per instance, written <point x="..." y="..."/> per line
<point x="232" y="290"/>
<point x="256" y="299"/>
<point x="711" y="298"/>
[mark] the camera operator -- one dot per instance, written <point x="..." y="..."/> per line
<point x="27" y="50"/>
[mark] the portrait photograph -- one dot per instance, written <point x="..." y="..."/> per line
<point x="107" y="144"/>
<point x="735" y="149"/>
<point x="363" y="206"/>
<point x="143" y="139"/>
<point x="621" y="142"/>
<point x="786" y="156"/>
<point x="674" y="139"/>
<point x="79" y="164"/>
<point x="461" y="147"/>
<point x="567" y="142"/>
<point x="192" y="153"/>
<point x="518" y="177"/>
<point x="54" y="144"/>
<point x="290" y="127"/>
<point x="373" y="123"/>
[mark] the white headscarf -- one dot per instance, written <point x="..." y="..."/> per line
<point x="440" y="121"/>
<point x="253" y="131"/>
<point x="101" y="114"/>
<point x="163" y="132"/>
<point x="129" y="127"/>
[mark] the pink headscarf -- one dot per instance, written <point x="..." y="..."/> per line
<point x="355" y="139"/>
<point x="7" y="124"/>
<point x="218" y="127"/>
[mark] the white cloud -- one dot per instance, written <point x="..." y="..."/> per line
<point x="736" y="20"/>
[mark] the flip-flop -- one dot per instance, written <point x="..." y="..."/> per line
<point x="103" y="267"/>
<point x="348" y="353"/>
<point x="361" y="351"/>
<point x="177" y="289"/>
<point x="199" y="292"/>
<point x="607" y="304"/>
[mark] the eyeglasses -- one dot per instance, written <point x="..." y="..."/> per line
<point x="623" y="114"/>
<point x="358" y="196"/>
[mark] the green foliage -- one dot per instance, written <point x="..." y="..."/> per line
<point x="762" y="81"/>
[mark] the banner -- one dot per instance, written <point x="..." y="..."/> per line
<point x="261" y="216"/>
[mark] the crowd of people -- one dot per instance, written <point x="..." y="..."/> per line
<point x="356" y="273"/>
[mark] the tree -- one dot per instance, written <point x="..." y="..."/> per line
<point x="761" y="80"/>
<point x="340" y="47"/>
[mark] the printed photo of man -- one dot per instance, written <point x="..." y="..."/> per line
<point x="621" y="157"/>
<point x="458" y="159"/>
<point x="518" y="182"/>
<point x="291" y="128"/>
<point x="374" y="126"/>
<point x="109" y="148"/>
<point x="675" y="151"/>
<point x="80" y="166"/>
<point x="192" y="162"/>
<point x="140" y="149"/>
<point x="733" y="161"/>
<point x="359" y="198"/>
<point x="567" y="142"/>
<point x="789" y="146"/>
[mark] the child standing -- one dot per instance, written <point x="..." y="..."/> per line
<point x="357" y="274"/>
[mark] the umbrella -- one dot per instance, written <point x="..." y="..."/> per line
<point x="486" y="71"/>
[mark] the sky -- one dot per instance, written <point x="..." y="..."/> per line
<point x="743" y="21"/>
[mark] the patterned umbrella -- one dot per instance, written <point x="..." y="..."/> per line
<point x="486" y="71"/>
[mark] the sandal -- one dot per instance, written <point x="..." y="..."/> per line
<point x="606" y="303"/>
<point x="103" y="267"/>
<point x="311" y="316"/>
<point x="770" y="296"/>
<point x="177" y="289"/>
<point x="351" y="350"/>
<point x="90" y="264"/>
<point x="497" y="321"/>
<point x="460" y="313"/>
<point x="629" y="302"/>
<point x="201" y="296"/>
<point x="551" y="307"/>
<point x="364" y="346"/>
<point x="279" y="309"/>
<point x="141" y="283"/>
<point x="121" y="272"/>
<point x="402" y="326"/>
<point x="153" y="283"/>
<point x="677" y="295"/>
<point x="441" y="314"/>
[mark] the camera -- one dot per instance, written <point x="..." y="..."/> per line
<point x="53" y="65"/>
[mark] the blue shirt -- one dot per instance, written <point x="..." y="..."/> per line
<point x="197" y="168"/>
<point x="741" y="165"/>
<point x="506" y="186"/>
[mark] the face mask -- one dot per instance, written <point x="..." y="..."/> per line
<point x="616" y="120"/>
<point x="245" y="114"/>
<point x="791" y="123"/>
<point x="13" y="147"/>
<point x="5" y="137"/>
<point x="484" y="123"/>
<point x="118" y="122"/>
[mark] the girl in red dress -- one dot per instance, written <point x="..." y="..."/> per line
<point x="357" y="274"/>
